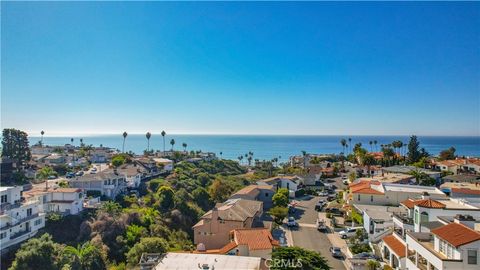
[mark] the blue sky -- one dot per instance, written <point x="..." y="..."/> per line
<point x="241" y="68"/>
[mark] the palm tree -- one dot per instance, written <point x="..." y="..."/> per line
<point x="368" y="160"/>
<point x="249" y="159"/>
<point x="148" y="135"/>
<point x="375" y="143"/>
<point x="42" y="132"/>
<point x="184" y="147"/>
<point x="125" y="134"/>
<point x="71" y="141"/>
<point x="86" y="256"/>
<point x="221" y="153"/>
<point x="304" y="154"/>
<point x="172" y="142"/>
<point x="163" y="136"/>
<point x="350" y="143"/>
<point x="343" y="142"/>
<point x="371" y="143"/>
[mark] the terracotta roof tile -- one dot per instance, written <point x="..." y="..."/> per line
<point x="254" y="238"/>
<point x="395" y="245"/>
<point x="364" y="187"/>
<point x="426" y="203"/>
<point x="429" y="203"/>
<point x="456" y="234"/>
<point x="466" y="191"/>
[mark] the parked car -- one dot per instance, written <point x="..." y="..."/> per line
<point x="52" y="177"/>
<point x="80" y="173"/>
<point x="320" y="205"/>
<point x="366" y="256"/>
<point x="94" y="169"/>
<point x="336" y="252"/>
<point x="323" y="193"/>
<point x="321" y="225"/>
<point x="349" y="232"/>
<point x="291" y="209"/>
<point x="69" y="175"/>
<point x="344" y="177"/>
<point x="291" y="222"/>
<point x="334" y="211"/>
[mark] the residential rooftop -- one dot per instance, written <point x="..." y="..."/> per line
<point x="175" y="261"/>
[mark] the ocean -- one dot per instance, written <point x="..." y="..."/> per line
<point x="265" y="146"/>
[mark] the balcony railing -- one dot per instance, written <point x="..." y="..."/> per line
<point x="20" y="233"/>
<point x="18" y="221"/>
<point x="404" y="218"/>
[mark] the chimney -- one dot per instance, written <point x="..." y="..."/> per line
<point x="425" y="195"/>
<point x="215" y="220"/>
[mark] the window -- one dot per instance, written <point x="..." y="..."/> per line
<point x="441" y="246"/>
<point x="38" y="222"/>
<point x="29" y="212"/>
<point x="472" y="256"/>
<point x="3" y="235"/>
<point x="416" y="216"/>
<point x="371" y="198"/>
<point x="266" y="194"/>
<point x="4" y="198"/>
<point x="358" y="197"/>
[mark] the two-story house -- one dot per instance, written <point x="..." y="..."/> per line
<point x="108" y="184"/>
<point x="263" y="193"/>
<point x="452" y="246"/>
<point x="290" y="182"/>
<point x="20" y="219"/>
<point x="66" y="201"/>
<point x="213" y="229"/>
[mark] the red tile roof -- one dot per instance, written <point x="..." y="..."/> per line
<point x="429" y="203"/>
<point x="466" y="191"/>
<point x="364" y="187"/>
<point x="254" y="238"/>
<point x="426" y="203"/>
<point x="456" y="234"/>
<point x="395" y="245"/>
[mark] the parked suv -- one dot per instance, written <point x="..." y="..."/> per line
<point x="349" y="232"/>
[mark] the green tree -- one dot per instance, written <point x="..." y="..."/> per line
<point x="166" y="196"/>
<point x="111" y="208"/>
<point x="279" y="198"/>
<point x="201" y="197"/>
<point x="368" y="161"/>
<point x="299" y="258"/>
<point x="343" y="142"/>
<point x="125" y="134"/>
<point x="220" y="190"/>
<point x="414" y="154"/>
<point x="134" y="233"/>
<point x="172" y="142"/>
<point x="148" y="136"/>
<point x="184" y="145"/>
<point x="372" y="264"/>
<point x="448" y="154"/>
<point x="118" y="161"/>
<point x="146" y="245"/>
<point x="15" y="146"/>
<point x="40" y="252"/>
<point x="163" y="137"/>
<point x="278" y="213"/>
<point x="85" y="257"/>
<point x="45" y="172"/>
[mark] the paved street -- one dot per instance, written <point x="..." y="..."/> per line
<point x="307" y="236"/>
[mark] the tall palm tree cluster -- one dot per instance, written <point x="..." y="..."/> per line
<point x="148" y="135"/>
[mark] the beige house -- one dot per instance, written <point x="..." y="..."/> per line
<point x="263" y="193"/>
<point x="213" y="229"/>
<point x="256" y="242"/>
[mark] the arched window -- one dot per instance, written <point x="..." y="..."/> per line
<point x="415" y="216"/>
<point x="423" y="217"/>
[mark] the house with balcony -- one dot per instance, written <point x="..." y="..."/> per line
<point x="377" y="219"/>
<point x="107" y="184"/>
<point x="374" y="192"/>
<point x="213" y="229"/>
<point x="393" y="251"/>
<point x="65" y="201"/>
<point x="290" y="182"/>
<point x="133" y="173"/>
<point x="452" y="246"/>
<point x="20" y="219"/>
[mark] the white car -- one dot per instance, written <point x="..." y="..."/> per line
<point x="349" y="232"/>
<point x="336" y="252"/>
<point x="291" y="222"/>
